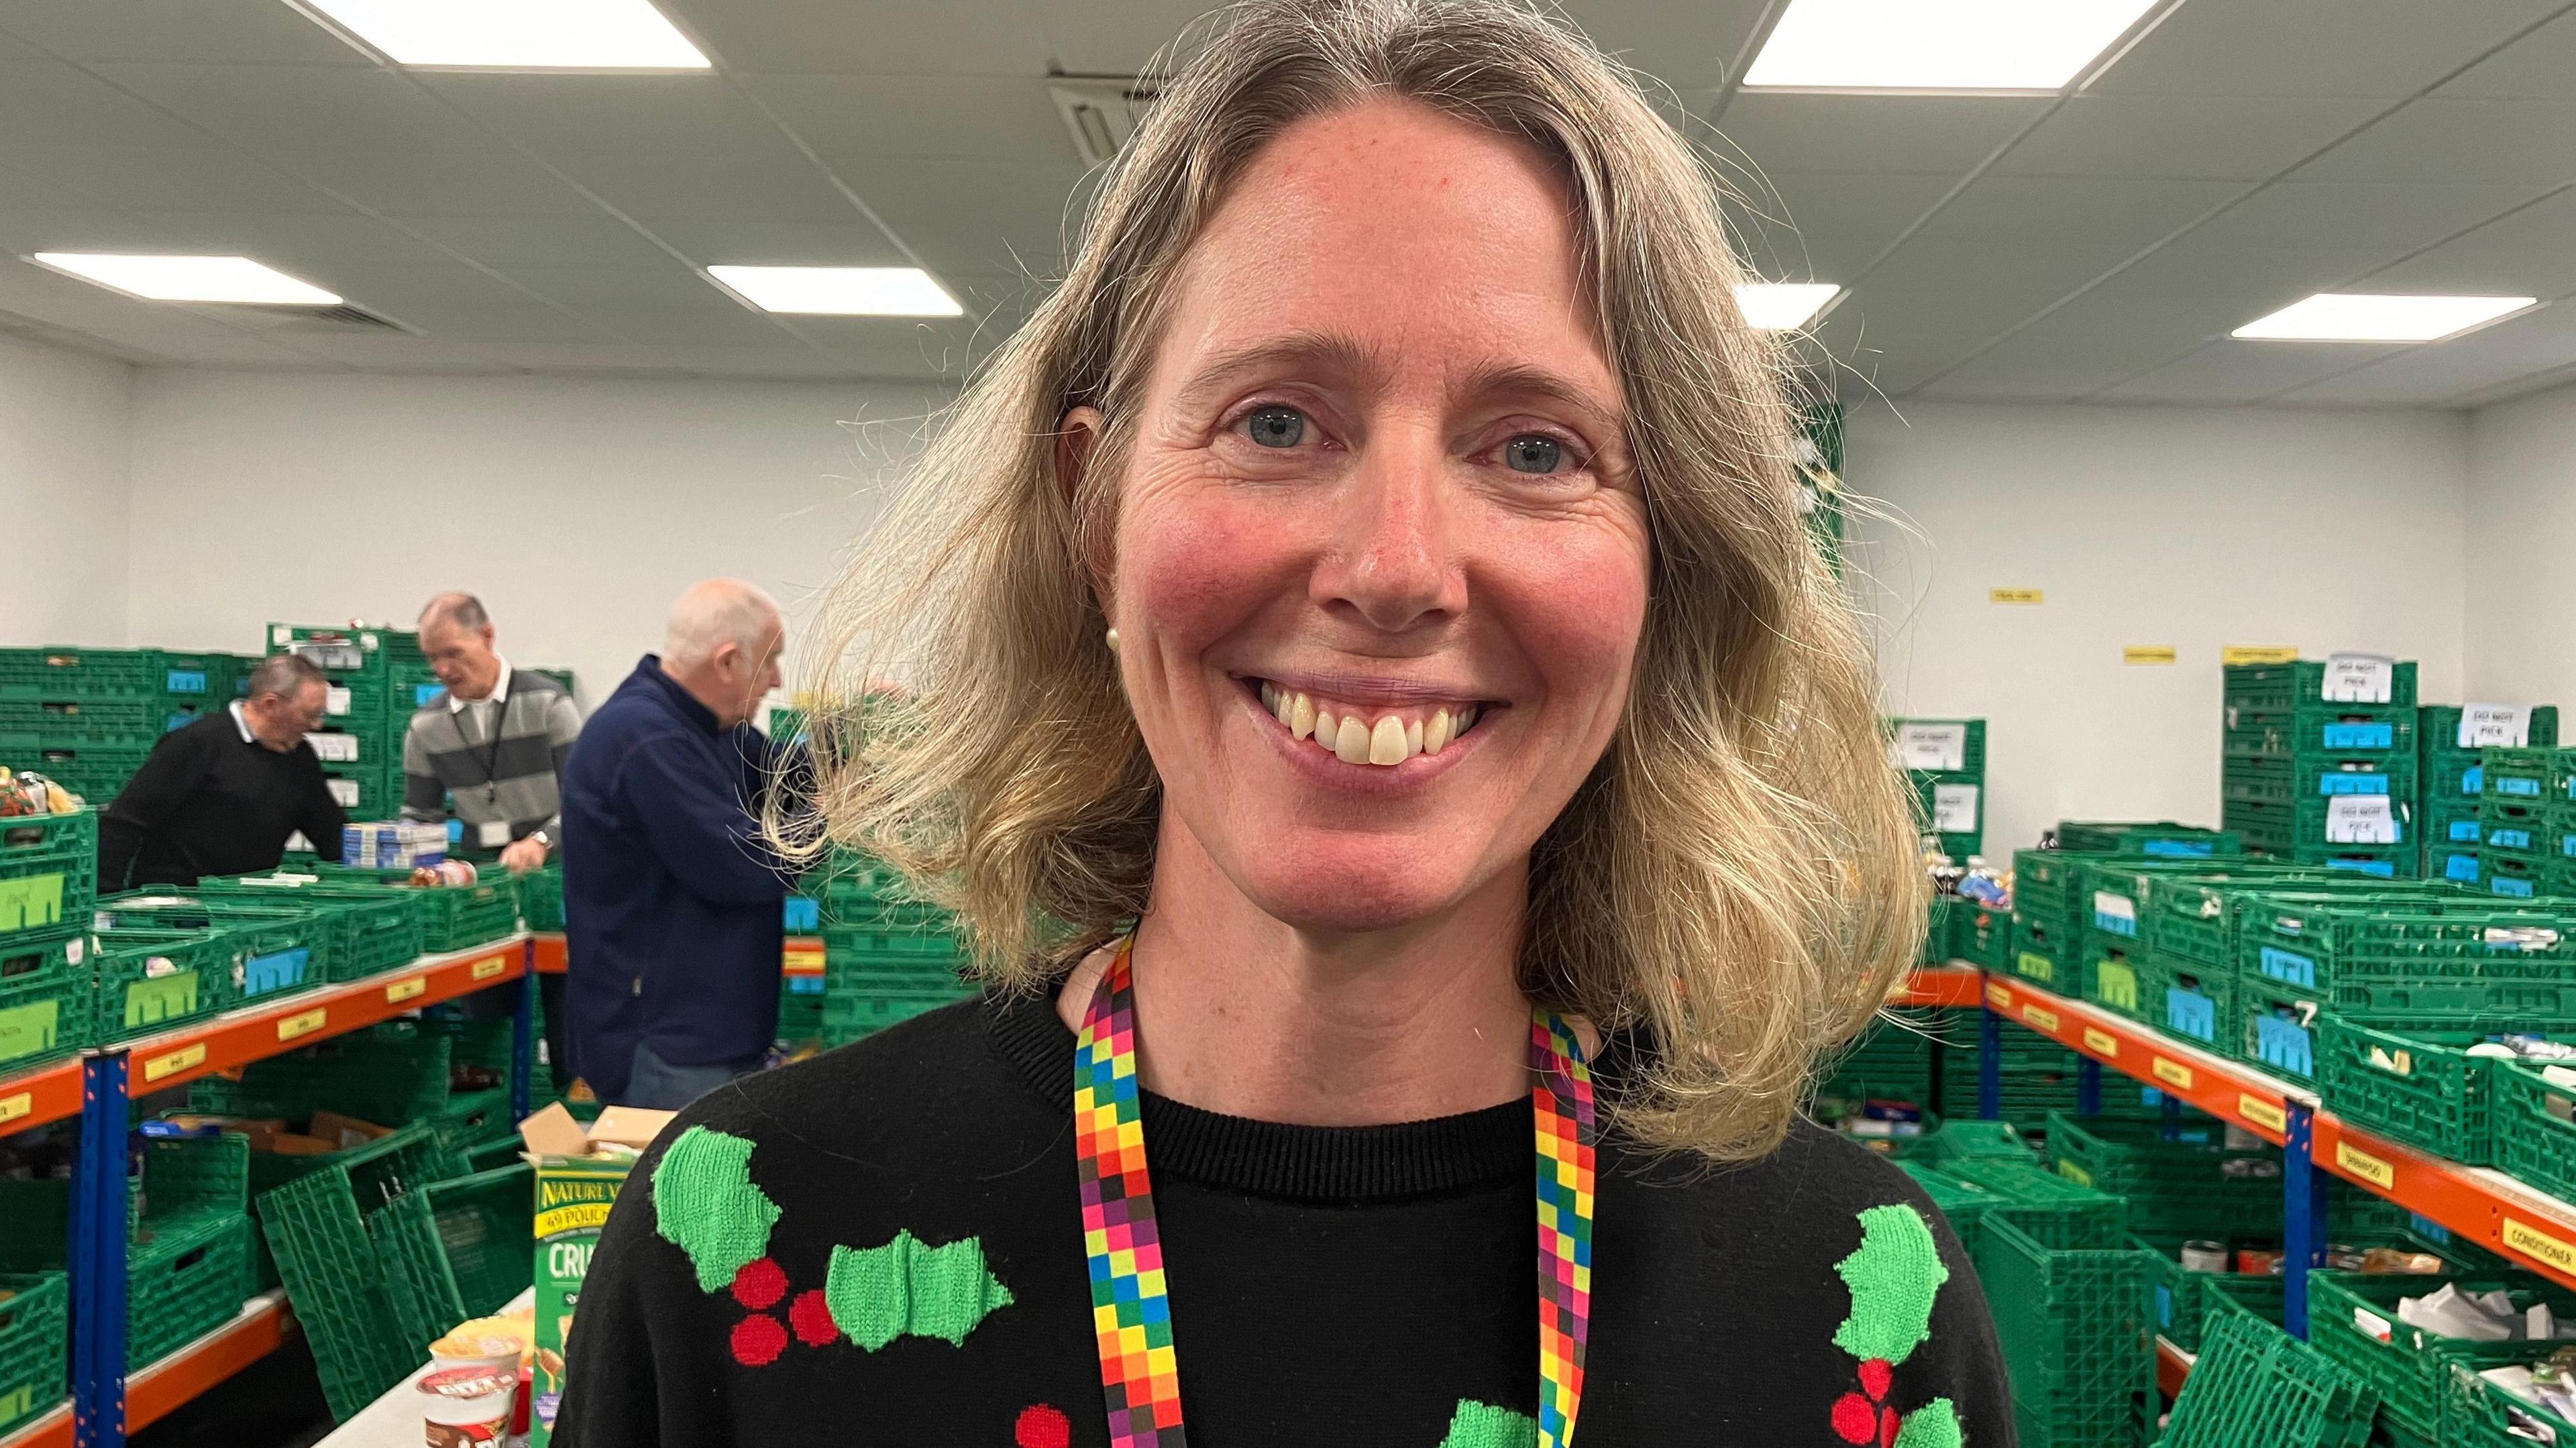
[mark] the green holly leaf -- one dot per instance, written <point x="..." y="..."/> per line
<point x="877" y="1294"/>
<point x="704" y="1203"/>
<point x="1482" y="1425"/>
<point x="1894" y="1275"/>
<point x="1934" y="1425"/>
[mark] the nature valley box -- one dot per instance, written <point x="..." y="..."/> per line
<point x="578" y="1174"/>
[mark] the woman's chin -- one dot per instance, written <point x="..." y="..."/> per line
<point x="1354" y="897"/>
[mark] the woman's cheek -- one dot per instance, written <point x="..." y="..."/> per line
<point x="1196" y="556"/>
<point x="1581" y="594"/>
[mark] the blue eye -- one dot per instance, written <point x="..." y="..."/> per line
<point x="1276" y="426"/>
<point x="1533" y="453"/>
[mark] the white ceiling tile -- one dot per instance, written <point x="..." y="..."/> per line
<point x="2535" y="67"/>
<point x="257" y="32"/>
<point x="710" y="240"/>
<point x="1682" y="46"/>
<point x="1989" y="379"/>
<point x="2129" y="212"/>
<point x="2502" y="142"/>
<point x="2437" y="373"/>
<point x="305" y="108"/>
<point x="523" y="321"/>
<point x="208" y="177"/>
<point x="683" y="115"/>
<point x="2370" y="48"/>
<point x="53" y="104"/>
<point x="1112" y="37"/>
<point x="720" y="321"/>
<point x="1948" y="134"/>
<point x="780" y="185"/>
<point x="1786" y="256"/>
<point x="595" y="239"/>
<point x="864" y="37"/>
<point x="2234" y="371"/>
<point x="2531" y="252"/>
<point x="293" y="242"/>
<point x="667" y="285"/>
<point x="973" y="216"/>
<point x="1833" y="203"/>
<point x="425" y="183"/>
<point x="2216" y="137"/>
<point x="2398" y="216"/>
<point x="417" y="294"/>
<point x="991" y="118"/>
<point x="1873" y="361"/>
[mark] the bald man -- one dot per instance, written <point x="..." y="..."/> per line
<point x="671" y="898"/>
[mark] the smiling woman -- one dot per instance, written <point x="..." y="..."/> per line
<point x="1381" y="722"/>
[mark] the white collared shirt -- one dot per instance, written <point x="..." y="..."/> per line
<point x="499" y="696"/>
<point x="241" y="722"/>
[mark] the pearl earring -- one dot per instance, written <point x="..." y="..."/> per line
<point x="1113" y="640"/>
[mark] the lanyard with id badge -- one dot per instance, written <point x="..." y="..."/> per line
<point x="494" y="833"/>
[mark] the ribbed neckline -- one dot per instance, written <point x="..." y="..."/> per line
<point x="1273" y="1159"/>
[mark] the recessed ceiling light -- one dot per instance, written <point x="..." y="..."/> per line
<point x="517" y="34"/>
<point x="1779" y="306"/>
<point x="189" y="278"/>
<point x="840" y="291"/>
<point x="2359" y="317"/>
<point x="1934" y="45"/>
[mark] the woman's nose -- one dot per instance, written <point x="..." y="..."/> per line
<point x="1395" y="562"/>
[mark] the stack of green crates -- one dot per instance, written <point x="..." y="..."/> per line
<point x="887" y="957"/>
<point x="2451" y="783"/>
<point x="86" y="718"/>
<point x="2073" y="1315"/>
<point x="48" y="881"/>
<point x="2256" y="1385"/>
<point x="2527" y="822"/>
<point x="374" y="926"/>
<point x="2291" y="753"/>
<point x="35" y="1333"/>
<point x="2352" y="1320"/>
<point x="1946" y="761"/>
<point x="374" y="674"/>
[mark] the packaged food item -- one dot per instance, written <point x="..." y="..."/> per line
<point x="469" y="1407"/>
<point x="494" y="1342"/>
<point x="578" y="1174"/>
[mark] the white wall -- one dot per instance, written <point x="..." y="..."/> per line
<point x="2197" y="529"/>
<point x="63" y="494"/>
<point x="2522" y="553"/>
<point x="576" y="509"/>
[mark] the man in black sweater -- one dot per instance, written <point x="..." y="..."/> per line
<point x="221" y="796"/>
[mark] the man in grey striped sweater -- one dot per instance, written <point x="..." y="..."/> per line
<point x="494" y="743"/>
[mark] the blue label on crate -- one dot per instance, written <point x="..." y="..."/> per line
<point x="421" y="694"/>
<point x="804" y="985"/>
<point x="2473" y="780"/>
<point x="804" y="914"/>
<point x="2508" y="885"/>
<point x="179" y="719"/>
<point x="2346" y="781"/>
<point x="2528" y="788"/>
<point x="283" y="970"/>
<point x="2110" y="924"/>
<point x="2164" y="1305"/>
<point x="2567" y="846"/>
<point x="2180" y="849"/>
<point x="2464" y="832"/>
<point x="2284" y="1044"/>
<point x="2509" y="839"/>
<point x="2191" y="1013"/>
<point x="184" y="681"/>
<point x="2463" y="868"/>
<point x="2361" y="736"/>
<point x="2384" y="869"/>
<point x="2289" y="968"/>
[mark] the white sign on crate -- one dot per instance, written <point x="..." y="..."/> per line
<point x="334" y="748"/>
<point x="2361" y="819"/>
<point x="1954" y="809"/>
<point x="1931" y="746"/>
<point x="2359" y="679"/>
<point x="345" y="791"/>
<point x="2495" y="726"/>
<point x="336" y="701"/>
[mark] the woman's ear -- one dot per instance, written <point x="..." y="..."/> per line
<point x="1077" y="437"/>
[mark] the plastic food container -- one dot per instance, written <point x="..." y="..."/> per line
<point x="469" y="1407"/>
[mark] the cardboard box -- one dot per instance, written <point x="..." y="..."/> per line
<point x="578" y="1173"/>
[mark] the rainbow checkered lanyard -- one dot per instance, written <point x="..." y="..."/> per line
<point x="1131" y="1313"/>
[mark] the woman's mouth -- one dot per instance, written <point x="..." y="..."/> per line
<point x="1368" y="734"/>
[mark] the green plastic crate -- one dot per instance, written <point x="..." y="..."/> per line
<point x="2409" y="951"/>
<point x="35" y="1334"/>
<point x="1984" y="937"/>
<point x="2535" y="775"/>
<point x="2190" y="1002"/>
<point x="2112" y="964"/>
<point x="45" y="994"/>
<point x="2196" y="1187"/>
<point x="2042" y="952"/>
<point x="2328" y="731"/>
<point x="187" y="1277"/>
<point x="376" y="929"/>
<point x="2278" y="1035"/>
<point x="65" y="671"/>
<point x="2478" y="1414"/>
<point x="452" y="917"/>
<point x="48" y="872"/>
<point x="456" y="1249"/>
<point x="2533" y="1127"/>
<point x="1963" y="1204"/>
<point x="2048" y="1207"/>
<point x="541" y="900"/>
<point x="390" y="1075"/>
<point x="2410" y="1368"/>
<point x="2254" y="1386"/>
<point x="2075" y="1327"/>
<point x="2049" y="886"/>
<point x="151" y="980"/>
<point x="848" y="1018"/>
<point x="472" y="1118"/>
<point x="2411" y="1084"/>
<point x="2300" y="683"/>
<point x="270" y="930"/>
<point x="339" y="1285"/>
<point x="2152" y="840"/>
<point x="2437" y="726"/>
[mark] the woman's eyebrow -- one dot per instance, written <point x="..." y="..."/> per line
<point x="1524" y="380"/>
<point x="1328" y="354"/>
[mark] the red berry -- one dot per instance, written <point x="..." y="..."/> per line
<point x="1887" y="1426"/>
<point x="1874" y="1377"/>
<point x="1041" y="1426"/>
<point x="759" y="1284"/>
<point x="758" y="1340"/>
<point x="1855" y="1421"/>
<point x="812" y="1318"/>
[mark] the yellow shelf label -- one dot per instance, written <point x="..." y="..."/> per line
<point x="2262" y="1113"/>
<point x="302" y="1023"/>
<point x="2259" y="654"/>
<point x="13" y="1107"/>
<point x="2044" y="1019"/>
<point x="403" y="990"/>
<point x="2365" y="1166"/>
<point x="174" y="1063"/>
<point x="1998" y="996"/>
<point x="2173" y="1073"/>
<point x="2013" y="595"/>
<point x="2102" y="1041"/>
<point x="2538" y="1245"/>
<point x="2138" y="654"/>
<point x="489" y="967"/>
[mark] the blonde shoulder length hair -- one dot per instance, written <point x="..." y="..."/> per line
<point x="1737" y="880"/>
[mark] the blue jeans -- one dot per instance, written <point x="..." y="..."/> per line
<point x="658" y="1085"/>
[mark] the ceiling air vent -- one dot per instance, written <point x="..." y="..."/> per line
<point x="340" y="319"/>
<point x="1101" y="112"/>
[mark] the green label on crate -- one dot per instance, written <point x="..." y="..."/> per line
<point x="161" y="998"/>
<point x="31" y="902"/>
<point x="18" y="1402"/>
<point x="28" y="1031"/>
<point x="2037" y="967"/>
<point x="2117" y="984"/>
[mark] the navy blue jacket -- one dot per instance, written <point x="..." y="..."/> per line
<point x="672" y="904"/>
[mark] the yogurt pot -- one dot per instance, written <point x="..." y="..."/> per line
<point x="468" y="1407"/>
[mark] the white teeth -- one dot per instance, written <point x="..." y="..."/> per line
<point x="1301" y="717"/>
<point x="1279" y="705"/>
<point x="1386" y="741"/>
<point x="1328" y="730"/>
<point x="1412" y="737"/>
<point x="1435" y="735"/>
<point x="1352" y="740"/>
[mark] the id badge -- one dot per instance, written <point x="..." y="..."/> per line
<point x="492" y="834"/>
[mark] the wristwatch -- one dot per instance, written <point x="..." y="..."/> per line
<point x="544" y="841"/>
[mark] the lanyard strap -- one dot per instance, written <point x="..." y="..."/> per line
<point x="1131" y="1314"/>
